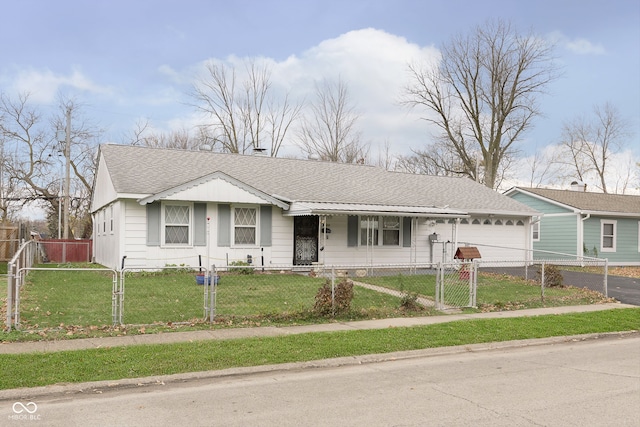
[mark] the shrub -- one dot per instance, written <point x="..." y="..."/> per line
<point x="409" y="302"/>
<point x="552" y="276"/>
<point x="341" y="303"/>
<point x="240" y="267"/>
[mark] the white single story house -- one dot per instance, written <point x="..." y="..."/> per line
<point x="157" y="207"/>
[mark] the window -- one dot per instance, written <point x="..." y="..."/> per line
<point x="368" y="231"/>
<point x="245" y="223"/>
<point x="487" y="222"/>
<point x="464" y="221"/>
<point x="608" y="240"/>
<point x="177" y="224"/>
<point x="476" y="221"/>
<point x="498" y="222"/>
<point x="391" y="230"/>
<point x="104" y="221"/>
<point x="509" y="222"/>
<point x="535" y="231"/>
<point x="111" y="219"/>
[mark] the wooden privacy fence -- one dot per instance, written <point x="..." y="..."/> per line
<point x="9" y="241"/>
<point x="65" y="250"/>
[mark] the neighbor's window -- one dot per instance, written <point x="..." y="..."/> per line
<point x="244" y="226"/>
<point x="368" y="230"/>
<point x="177" y="224"/>
<point x="391" y="230"/>
<point x="535" y="231"/>
<point x="608" y="241"/>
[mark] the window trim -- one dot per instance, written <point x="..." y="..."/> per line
<point x="111" y="219"/>
<point x="256" y="236"/>
<point x="604" y="222"/>
<point x="380" y="231"/>
<point x="163" y="225"/>
<point x="383" y="229"/>
<point x="535" y="229"/>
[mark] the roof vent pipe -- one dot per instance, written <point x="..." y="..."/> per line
<point x="259" y="151"/>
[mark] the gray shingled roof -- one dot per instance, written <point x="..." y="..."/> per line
<point x="140" y="170"/>
<point x="588" y="201"/>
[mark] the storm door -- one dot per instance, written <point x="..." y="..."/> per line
<point x="305" y="234"/>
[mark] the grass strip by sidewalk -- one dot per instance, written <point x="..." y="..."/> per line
<point x="38" y="369"/>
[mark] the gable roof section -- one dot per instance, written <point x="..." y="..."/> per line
<point x="588" y="202"/>
<point x="151" y="171"/>
<point x="216" y="175"/>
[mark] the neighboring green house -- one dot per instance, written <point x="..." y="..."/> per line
<point x="584" y="223"/>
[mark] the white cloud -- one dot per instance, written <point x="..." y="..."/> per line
<point x="538" y="170"/>
<point x="374" y="66"/>
<point x="578" y="45"/>
<point x="43" y="85"/>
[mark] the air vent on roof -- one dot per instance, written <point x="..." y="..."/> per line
<point x="578" y="186"/>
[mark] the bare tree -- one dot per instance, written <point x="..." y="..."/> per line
<point x="541" y="168"/>
<point x="329" y="130"/>
<point x="33" y="161"/>
<point x="482" y="95"/>
<point x="9" y="191"/>
<point x="588" y="143"/>
<point x="247" y="117"/>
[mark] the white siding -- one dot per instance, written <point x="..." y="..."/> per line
<point x="495" y="242"/>
<point x="104" y="193"/>
<point x="217" y="190"/>
<point x="107" y="243"/>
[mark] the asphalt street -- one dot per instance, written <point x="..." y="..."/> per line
<point x="552" y="382"/>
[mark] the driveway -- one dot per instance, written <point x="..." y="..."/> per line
<point x="624" y="289"/>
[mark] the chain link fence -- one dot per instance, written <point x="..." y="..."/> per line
<point x="243" y="295"/>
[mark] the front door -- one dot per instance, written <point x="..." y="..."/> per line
<point x="305" y="234"/>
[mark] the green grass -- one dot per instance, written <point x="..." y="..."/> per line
<point x="77" y="304"/>
<point x="39" y="369"/>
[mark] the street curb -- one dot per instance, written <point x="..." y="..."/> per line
<point x="100" y="387"/>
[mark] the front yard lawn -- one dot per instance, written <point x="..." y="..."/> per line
<point x="67" y="304"/>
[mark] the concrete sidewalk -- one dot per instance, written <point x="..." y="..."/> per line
<point x="269" y="331"/>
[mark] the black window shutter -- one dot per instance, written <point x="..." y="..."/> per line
<point x="224" y="225"/>
<point x="352" y="231"/>
<point x="265" y="225"/>
<point x="199" y="224"/>
<point x="153" y="224"/>
<point x="406" y="232"/>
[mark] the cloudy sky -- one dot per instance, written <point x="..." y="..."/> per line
<point x="136" y="59"/>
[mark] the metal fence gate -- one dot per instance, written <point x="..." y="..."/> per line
<point x="456" y="285"/>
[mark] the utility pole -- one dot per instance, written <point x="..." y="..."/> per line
<point x="67" y="177"/>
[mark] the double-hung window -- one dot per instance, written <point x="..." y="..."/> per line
<point x="368" y="231"/>
<point x="177" y="224"/>
<point x="535" y="230"/>
<point x="391" y="230"/>
<point x="372" y="227"/>
<point x="608" y="237"/>
<point x="245" y="224"/>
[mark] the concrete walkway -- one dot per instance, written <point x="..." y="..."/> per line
<point x="269" y="331"/>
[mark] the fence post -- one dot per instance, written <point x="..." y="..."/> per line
<point x="10" y="293"/>
<point x="606" y="274"/>
<point x="542" y="282"/>
<point x="333" y="290"/>
<point x="439" y="279"/>
<point x="473" y="284"/>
